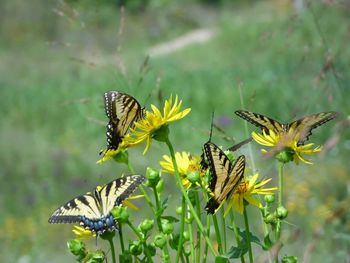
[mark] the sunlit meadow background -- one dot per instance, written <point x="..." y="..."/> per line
<point x="57" y="58"/>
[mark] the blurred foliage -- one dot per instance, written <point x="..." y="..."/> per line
<point x="58" y="57"/>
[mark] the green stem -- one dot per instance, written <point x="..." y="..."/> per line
<point x="159" y="224"/>
<point x="184" y="193"/>
<point x="182" y="228"/>
<point x="189" y="223"/>
<point x="154" y="209"/>
<point x="198" y="246"/>
<point x="143" y="191"/>
<point x="280" y="183"/>
<point x="280" y="202"/>
<point x="206" y="244"/>
<point x="251" y="260"/>
<point x="217" y="232"/>
<point x="143" y="241"/>
<point x="120" y="231"/>
<point x="223" y="222"/>
<point x="235" y="231"/>
<point x="280" y="198"/>
<point x="110" y="241"/>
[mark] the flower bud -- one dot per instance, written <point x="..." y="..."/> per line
<point x="161" y="134"/>
<point x="122" y="157"/>
<point x="152" y="249"/>
<point x="95" y="257"/>
<point x="189" y="219"/>
<point x="270" y="219"/>
<point x="167" y="227"/>
<point x="187" y="251"/>
<point x="121" y="214"/>
<point x="146" y="225"/>
<point x="186" y="236"/>
<point x="193" y="177"/>
<point x="166" y="258"/>
<point x="269" y="198"/>
<point x="152" y="176"/>
<point x="160" y="240"/>
<point x="107" y="235"/>
<point x="289" y="259"/>
<point x="126" y="257"/>
<point x="285" y="156"/>
<point x="77" y="248"/>
<point x="135" y="248"/>
<point x="160" y="186"/>
<point x="179" y="210"/>
<point x="282" y="212"/>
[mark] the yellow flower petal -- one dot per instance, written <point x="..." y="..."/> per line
<point x="286" y="141"/>
<point x="247" y="190"/>
<point x="81" y="232"/>
<point x="145" y="128"/>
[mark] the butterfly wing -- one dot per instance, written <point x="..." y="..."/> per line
<point x="85" y="205"/>
<point x="122" y="110"/>
<point x="261" y="121"/>
<point x="92" y="210"/>
<point x="305" y="125"/>
<point x="225" y="175"/>
<point x="114" y="193"/>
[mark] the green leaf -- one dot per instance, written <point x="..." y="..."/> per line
<point x="171" y="219"/>
<point x="221" y="259"/>
<point x="253" y="239"/>
<point x="237" y="252"/>
<point x="165" y="202"/>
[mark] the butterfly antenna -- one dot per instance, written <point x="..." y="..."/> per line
<point x="211" y="126"/>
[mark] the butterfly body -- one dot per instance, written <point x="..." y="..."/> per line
<point x="122" y="111"/>
<point x="226" y="175"/>
<point x="93" y="210"/>
<point x="302" y="127"/>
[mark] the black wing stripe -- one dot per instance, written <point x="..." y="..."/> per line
<point x="89" y="210"/>
<point x="122" y="110"/>
<point x="225" y="176"/>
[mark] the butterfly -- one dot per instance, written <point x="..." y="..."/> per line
<point x="301" y="127"/>
<point x="225" y="175"/>
<point x="93" y="209"/>
<point x="122" y="111"/>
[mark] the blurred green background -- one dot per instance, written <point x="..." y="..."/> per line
<point x="275" y="57"/>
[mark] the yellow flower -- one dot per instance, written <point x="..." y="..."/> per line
<point x="186" y="164"/>
<point x="120" y="153"/>
<point x="146" y="128"/>
<point x="81" y="232"/>
<point x="287" y="142"/>
<point x="129" y="204"/>
<point x="246" y="191"/>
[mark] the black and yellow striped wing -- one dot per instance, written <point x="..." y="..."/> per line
<point x="122" y="111"/>
<point x="261" y="121"/>
<point x="93" y="210"/>
<point x="226" y="175"/>
<point x="305" y="125"/>
<point x="302" y="126"/>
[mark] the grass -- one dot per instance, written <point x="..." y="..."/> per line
<point x="52" y="121"/>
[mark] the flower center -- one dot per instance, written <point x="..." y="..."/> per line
<point x="242" y="188"/>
